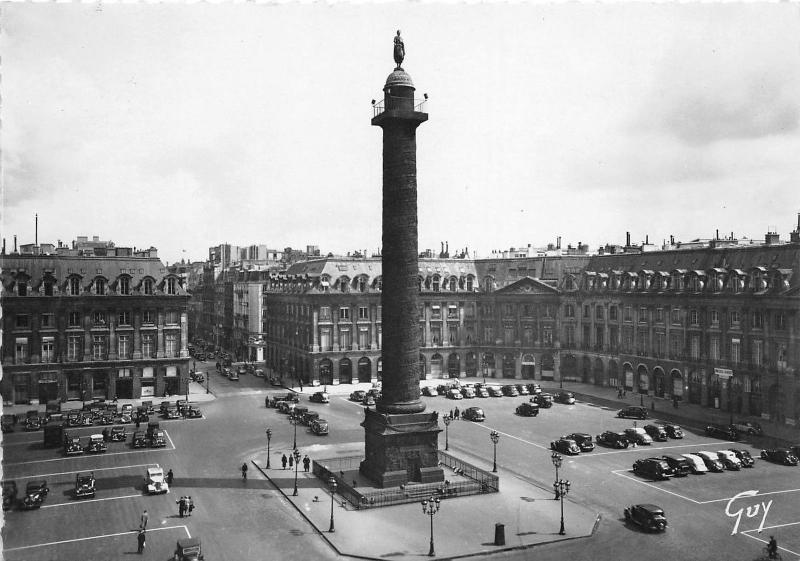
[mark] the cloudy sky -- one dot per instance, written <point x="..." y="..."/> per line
<point x="183" y="126"/>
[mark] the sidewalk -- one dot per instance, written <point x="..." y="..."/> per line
<point x="464" y="526"/>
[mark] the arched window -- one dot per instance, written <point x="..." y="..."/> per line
<point x="125" y="285"/>
<point x="74" y="286"/>
<point x="172" y="284"/>
<point x="48" y="287"/>
<point x="99" y="286"/>
<point x="148" y="287"/>
<point x="436" y="281"/>
<point x="470" y="283"/>
<point x="453" y="284"/>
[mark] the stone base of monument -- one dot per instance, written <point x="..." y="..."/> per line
<point x="401" y="448"/>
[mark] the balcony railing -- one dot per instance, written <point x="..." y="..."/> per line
<point x="392" y="103"/>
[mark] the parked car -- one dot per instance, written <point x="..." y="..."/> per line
<point x="510" y="390"/>
<point x="744" y="457"/>
<point x="697" y="464"/>
<point x="258" y="373"/>
<point x="35" y="494"/>
<point x="681" y="467"/>
<point x="781" y="456"/>
<point x="193" y="412"/>
<point x="647" y="516"/>
<point x="673" y="431"/>
<point x="633" y="412"/>
<point x="567" y="398"/>
<point x="7" y="422"/>
<point x="358" y="395"/>
<point x="429" y="391"/>
<point x="612" y="439"/>
<point x="495" y="391"/>
<point x="233" y="376"/>
<point x="154" y="481"/>
<point x="158" y="439"/>
<point x="241" y="370"/>
<point x="637" y="435"/>
<point x="454" y="394"/>
<point x="33" y="423"/>
<point x="729" y="460"/>
<point x="473" y="414"/>
<point x="96" y="445"/>
<point x="522" y="389"/>
<point x="319" y="397"/>
<point x="711" y="460"/>
<point x="127" y="408"/>
<point x="104" y="418"/>
<point x="583" y="440"/>
<point x="72" y="445"/>
<point x="527" y="409"/>
<point x="188" y="549"/>
<point x="534" y="389"/>
<point x="656" y="432"/>
<point x="171" y="412"/>
<point x="286" y="407"/>
<point x="139" y="439"/>
<point x="482" y="392"/>
<point x="726" y="433"/>
<point x="565" y="446"/>
<point x="748" y="427"/>
<point x="9" y="494"/>
<point x="309" y="417"/>
<point x="652" y="468"/>
<point x="544" y="400"/>
<point x="319" y="427"/>
<point x="369" y="401"/>
<point x="118" y="434"/>
<point x="84" y="485"/>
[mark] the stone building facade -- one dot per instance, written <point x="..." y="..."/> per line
<point x="83" y="327"/>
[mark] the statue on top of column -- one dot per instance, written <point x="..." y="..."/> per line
<point x="399" y="49"/>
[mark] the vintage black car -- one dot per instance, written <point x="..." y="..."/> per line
<point x="781" y="456"/>
<point x="74" y="419"/>
<point x="565" y="446"/>
<point x="35" y="494"/>
<point x="612" y="439"/>
<point x="656" y="432"/>
<point x="648" y="516"/>
<point x="7" y="422"/>
<point x="33" y="423"/>
<point x="653" y="468"/>
<point x="9" y="494"/>
<point x="534" y="389"/>
<point x="637" y="435"/>
<point x="118" y="434"/>
<point x="681" y="467"/>
<point x="426" y="390"/>
<point x="544" y="400"/>
<point x="359" y="395"/>
<point x="139" y="439"/>
<point x="527" y="409"/>
<point x="744" y="456"/>
<point x="510" y="391"/>
<point x="319" y="427"/>
<point x="633" y="412"/>
<point x="188" y="549"/>
<point x="193" y="412"/>
<point x="473" y="414"/>
<point x="319" y="397"/>
<point x="726" y="433"/>
<point x="522" y="389"/>
<point x="566" y="398"/>
<point x="673" y="431"/>
<point x="583" y="440"/>
<point x="105" y="418"/>
<point x="171" y="412"/>
<point x="72" y="445"/>
<point x="84" y="485"/>
<point x="748" y="427"/>
<point x="158" y="439"/>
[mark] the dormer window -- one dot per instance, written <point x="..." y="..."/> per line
<point x="148" y="287"/>
<point x="74" y="286"/>
<point x="22" y="288"/>
<point x="470" y="282"/>
<point x="48" y="288"/>
<point x="125" y="285"/>
<point x="453" y="284"/>
<point x="436" y="283"/>
<point x="99" y="286"/>
<point x="172" y="286"/>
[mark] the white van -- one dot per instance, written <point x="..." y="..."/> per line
<point x="698" y="465"/>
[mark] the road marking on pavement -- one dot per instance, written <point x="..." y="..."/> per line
<point x="622" y="473"/>
<point x="80" y="471"/>
<point x="644" y="448"/>
<point x="748" y="532"/>
<point x="84" y="501"/>
<point x="512" y="436"/>
<point x="185" y="529"/>
<point x="758" y="495"/>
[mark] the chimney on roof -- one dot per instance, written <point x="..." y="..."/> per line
<point x="671" y="239"/>
<point x="717" y="236"/>
<point x="647" y="239"/>
<point x="36" y="235"/>
<point x="627" y="238"/>
<point x="4" y="246"/>
<point x="772" y="238"/>
<point x="15" y="243"/>
<point x="558" y="242"/>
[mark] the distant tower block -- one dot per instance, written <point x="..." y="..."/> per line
<point x="401" y="441"/>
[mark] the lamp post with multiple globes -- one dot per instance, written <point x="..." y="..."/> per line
<point x="495" y="436"/>
<point x="431" y="507"/>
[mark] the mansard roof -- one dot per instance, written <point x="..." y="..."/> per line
<point x="61" y="267"/>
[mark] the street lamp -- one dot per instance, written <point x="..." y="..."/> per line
<point x="562" y="488"/>
<point x="556" y="457"/>
<point x="296" y="455"/>
<point x="485" y="370"/>
<point x="447" y="421"/>
<point x="294" y="420"/>
<point x="431" y="507"/>
<point x="269" y="438"/>
<point x="208" y="379"/>
<point x="332" y="483"/>
<point x="495" y="436"/>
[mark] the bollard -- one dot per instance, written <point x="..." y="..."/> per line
<point x="499" y="534"/>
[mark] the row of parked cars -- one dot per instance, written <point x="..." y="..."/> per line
<point x="289" y="405"/>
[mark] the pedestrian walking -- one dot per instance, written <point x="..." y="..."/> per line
<point x="244" y="471"/>
<point x="451" y="414"/>
<point x="306" y="463"/>
<point x="301" y="385"/>
<point x="624" y="393"/>
<point x="619" y="393"/>
<point x="143" y="521"/>
<point x="169" y="477"/>
<point x="283" y="461"/>
<point x="116" y="399"/>
<point x="181" y="506"/>
<point x="457" y="413"/>
<point x="291" y="461"/>
<point x="140" y="538"/>
<point x="191" y="505"/>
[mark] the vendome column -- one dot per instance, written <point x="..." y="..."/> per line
<point x="401" y="440"/>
